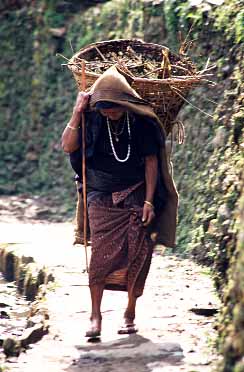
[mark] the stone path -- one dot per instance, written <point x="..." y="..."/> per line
<point x="171" y="337"/>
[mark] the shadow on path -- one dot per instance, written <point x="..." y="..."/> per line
<point x="132" y="353"/>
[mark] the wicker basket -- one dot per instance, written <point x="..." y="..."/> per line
<point x="79" y="220"/>
<point x="118" y="277"/>
<point x="165" y="95"/>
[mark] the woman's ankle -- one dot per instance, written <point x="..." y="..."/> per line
<point x="96" y="316"/>
<point x="129" y="316"/>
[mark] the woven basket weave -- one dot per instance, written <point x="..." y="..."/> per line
<point x="165" y="95"/>
<point x="118" y="277"/>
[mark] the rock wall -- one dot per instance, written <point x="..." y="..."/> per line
<point x="37" y="95"/>
<point x="209" y="166"/>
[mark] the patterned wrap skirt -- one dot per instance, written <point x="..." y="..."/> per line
<point x="120" y="242"/>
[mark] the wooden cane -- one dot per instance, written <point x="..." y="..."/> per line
<point x="83" y="124"/>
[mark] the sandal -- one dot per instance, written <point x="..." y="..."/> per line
<point x="93" y="333"/>
<point x="127" y="329"/>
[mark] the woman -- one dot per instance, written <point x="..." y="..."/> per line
<point x="132" y="200"/>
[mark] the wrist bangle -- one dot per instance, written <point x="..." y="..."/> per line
<point x="149" y="203"/>
<point x="73" y="128"/>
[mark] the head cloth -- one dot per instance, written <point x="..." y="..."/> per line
<point x="113" y="86"/>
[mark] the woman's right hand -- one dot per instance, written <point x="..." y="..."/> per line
<point x="81" y="103"/>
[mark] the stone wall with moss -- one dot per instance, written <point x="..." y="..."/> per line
<point x="209" y="166"/>
<point x="231" y="341"/>
<point x="37" y="96"/>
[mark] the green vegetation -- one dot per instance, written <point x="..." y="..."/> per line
<point x="209" y="167"/>
<point x="37" y="93"/>
<point x="37" y="96"/>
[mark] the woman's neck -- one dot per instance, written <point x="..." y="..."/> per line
<point x="117" y="121"/>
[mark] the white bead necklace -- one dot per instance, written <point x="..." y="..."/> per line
<point x="111" y="140"/>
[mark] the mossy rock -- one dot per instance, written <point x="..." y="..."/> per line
<point x="238" y="127"/>
<point x="239" y="367"/>
<point x="21" y="268"/>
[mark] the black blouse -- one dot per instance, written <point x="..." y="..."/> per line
<point x="104" y="171"/>
<point x="143" y="142"/>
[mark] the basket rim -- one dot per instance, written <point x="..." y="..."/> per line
<point x="184" y="80"/>
<point x="87" y="48"/>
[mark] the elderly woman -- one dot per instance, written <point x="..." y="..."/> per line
<point x="131" y="197"/>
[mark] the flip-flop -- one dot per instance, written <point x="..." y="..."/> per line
<point x="127" y="329"/>
<point x="93" y="333"/>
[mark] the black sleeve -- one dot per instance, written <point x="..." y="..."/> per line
<point x="76" y="161"/>
<point x="149" y="139"/>
<point x="76" y="156"/>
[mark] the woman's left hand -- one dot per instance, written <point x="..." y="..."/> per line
<point x="148" y="214"/>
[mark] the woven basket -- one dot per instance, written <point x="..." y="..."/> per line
<point x="117" y="278"/>
<point x="165" y="95"/>
<point x="79" y="220"/>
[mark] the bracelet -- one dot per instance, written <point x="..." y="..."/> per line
<point x="149" y="203"/>
<point x="73" y="128"/>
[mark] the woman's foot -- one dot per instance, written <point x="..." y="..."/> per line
<point x="129" y="317"/>
<point x="128" y="327"/>
<point x="95" y="328"/>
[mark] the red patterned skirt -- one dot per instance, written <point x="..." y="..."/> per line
<point x="120" y="242"/>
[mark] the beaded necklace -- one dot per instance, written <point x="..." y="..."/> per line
<point x="117" y="132"/>
<point x="111" y="140"/>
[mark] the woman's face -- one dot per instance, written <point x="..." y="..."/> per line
<point x="114" y="113"/>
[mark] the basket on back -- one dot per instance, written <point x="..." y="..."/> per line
<point x="159" y="76"/>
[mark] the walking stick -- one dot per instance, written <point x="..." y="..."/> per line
<point x="83" y="124"/>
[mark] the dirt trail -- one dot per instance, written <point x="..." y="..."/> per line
<point x="171" y="336"/>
